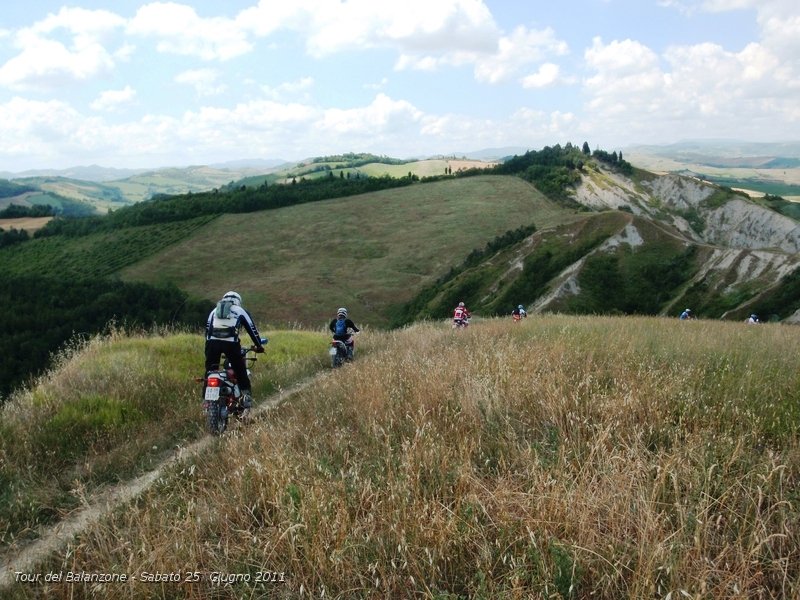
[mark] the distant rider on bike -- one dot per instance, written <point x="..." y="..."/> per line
<point x="518" y="313"/>
<point x="222" y="337"/>
<point x="340" y="327"/>
<point x="460" y="315"/>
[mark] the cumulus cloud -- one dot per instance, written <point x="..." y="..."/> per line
<point x="111" y="100"/>
<point x="204" y="81"/>
<point x="289" y="88"/>
<point x="702" y="88"/>
<point x="178" y="29"/>
<point x="46" y="62"/>
<point x="547" y="75"/>
<point x="413" y="26"/>
<point x="516" y="52"/>
<point x="45" y="130"/>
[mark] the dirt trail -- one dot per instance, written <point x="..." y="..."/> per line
<point x="29" y="557"/>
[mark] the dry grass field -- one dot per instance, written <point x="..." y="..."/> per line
<point x="29" y="224"/>
<point x="565" y="457"/>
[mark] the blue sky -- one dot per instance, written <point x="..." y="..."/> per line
<point x="137" y="84"/>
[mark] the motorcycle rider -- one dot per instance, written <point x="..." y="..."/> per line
<point x="518" y="313"/>
<point x="222" y="337"/>
<point x="340" y="327"/>
<point x="460" y="315"/>
<point x="687" y="315"/>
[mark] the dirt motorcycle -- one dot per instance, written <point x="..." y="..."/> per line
<point x="341" y="352"/>
<point x="461" y="323"/>
<point x="222" y="398"/>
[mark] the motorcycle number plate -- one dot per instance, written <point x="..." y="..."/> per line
<point x="212" y="393"/>
<point x="332" y="351"/>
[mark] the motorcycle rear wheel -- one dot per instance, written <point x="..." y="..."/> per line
<point x="217" y="421"/>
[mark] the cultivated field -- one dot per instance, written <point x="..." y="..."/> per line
<point x="29" y="224"/>
<point x="565" y="457"/>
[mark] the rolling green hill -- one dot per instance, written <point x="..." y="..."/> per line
<point x="556" y="230"/>
<point x="370" y="253"/>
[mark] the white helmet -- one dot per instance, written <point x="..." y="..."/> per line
<point x="342" y="312"/>
<point x="237" y="299"/>
<point x="461" y="304"/>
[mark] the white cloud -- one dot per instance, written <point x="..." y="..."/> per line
<point x="382" y="117"/>
<point x="180" y="30"/>
<point x="204" y="81"/>
<point x="45" y="62"/>
<point x="516" y="51"/>
<point x="427" y="36"/>
<point x="414" y="26"/>
<point x="700" y="90"/>
<point x="546" y="76"/>
<point x="39" y="130"/>
<point x="111" y="100"/>
<point x="289" y="88"/>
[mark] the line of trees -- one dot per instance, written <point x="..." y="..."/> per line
<point x="9" y="189"/>
<point x="165" y="209"/>
<point x="16" y="211"/>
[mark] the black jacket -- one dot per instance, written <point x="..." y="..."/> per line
<point x="348" y="326"/>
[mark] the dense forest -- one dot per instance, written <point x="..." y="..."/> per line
<point x="40" y="314"/>
<point x="15" y="211"/>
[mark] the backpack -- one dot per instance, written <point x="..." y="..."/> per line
<point x="224" y="322"/>
<point x="340" y="327"/>
<point x="223" y="310"/>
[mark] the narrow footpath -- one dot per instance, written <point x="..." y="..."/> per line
<point x="30" y="556"/>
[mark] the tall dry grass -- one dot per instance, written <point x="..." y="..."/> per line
<point x="111" y="408"/>
<point x="570" y="457"/>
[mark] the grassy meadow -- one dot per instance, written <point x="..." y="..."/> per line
<point x="110" y="409"/>
<point x="564" y="457"/>
<point x="369" y="253"/>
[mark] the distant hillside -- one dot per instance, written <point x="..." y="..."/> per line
<point x="559" y="229"/>
<point x="672" y="242"/>
<point x="100" y="190"/>
<point x="760" y="168"/>
<point x="368" y="252"/>
<point x="94" y="173"/>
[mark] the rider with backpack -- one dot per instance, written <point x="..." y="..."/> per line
<point x="340" y="327"/>
<point x="519" y="313"/>
<point x="222" y="337"/>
